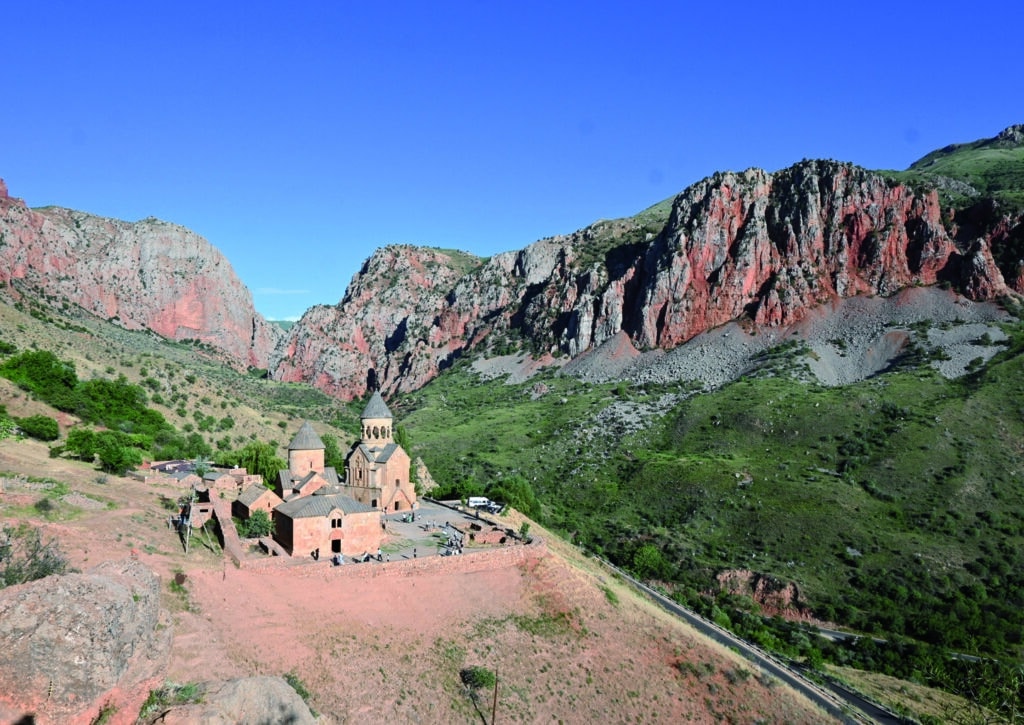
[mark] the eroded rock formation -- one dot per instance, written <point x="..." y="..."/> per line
<point x="143" y="275"/>
<point x="76" y="644"/>
<point x="767" y="247"/>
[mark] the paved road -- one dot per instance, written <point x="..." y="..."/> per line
<point x="839" y="702"/>
<point x="839" y="636"/>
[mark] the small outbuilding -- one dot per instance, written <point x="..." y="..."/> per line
<point x="256" y="497"/>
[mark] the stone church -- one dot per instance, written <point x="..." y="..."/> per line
<point x="377" y="469"/>
<point x="314" y="512"/>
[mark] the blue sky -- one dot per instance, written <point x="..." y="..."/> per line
<point x="299" y="137"/>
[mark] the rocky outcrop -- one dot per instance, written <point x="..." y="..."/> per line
<point x="765" y="247"/>
<point x="142" y="275"/>
<point x="423" y="477"/>
<point x="776" y="598"/>
<point x="74" y="645"/>
<point x="390" y="321"/>
<point x="247" y="700"/>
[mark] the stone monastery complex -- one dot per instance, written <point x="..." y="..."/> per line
<point x="316" y="513"/>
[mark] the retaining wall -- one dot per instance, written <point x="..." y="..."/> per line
<point x="482" y="560"/>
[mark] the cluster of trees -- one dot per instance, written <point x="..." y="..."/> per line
<point x="115" y="404"/>
<point x="513" y="490"/>
<point x="132" y="428"/>
<point x="256" y="458"/>
<point x="116" y="451"/>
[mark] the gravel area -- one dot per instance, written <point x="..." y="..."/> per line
<point x="846" y="341"/>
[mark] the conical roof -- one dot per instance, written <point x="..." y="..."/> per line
<point x="376" y="408"/>
<point x="306" y="439"/>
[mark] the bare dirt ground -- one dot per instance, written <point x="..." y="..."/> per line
<point x="569" y="643"/>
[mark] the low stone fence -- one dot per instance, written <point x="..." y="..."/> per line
<point x="232" y="544"/>
<point x="469" y="561"/>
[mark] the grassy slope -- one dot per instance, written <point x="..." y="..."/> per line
<point x="901" y="490"/>
<point x="993" y="167"/>
<point x="189" y="379"/>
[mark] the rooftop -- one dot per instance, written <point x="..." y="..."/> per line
<point x="306" y="439"/>
<point x="376" y="408"/>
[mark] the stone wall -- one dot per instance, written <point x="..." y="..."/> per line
<point x="480" y="560"/>
<point x="362" y="533"/>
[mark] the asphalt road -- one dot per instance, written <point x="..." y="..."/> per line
<point x="843" y="704"/>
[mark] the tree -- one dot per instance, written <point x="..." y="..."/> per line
<point x="256" y="458"/>
<point x="333" y="456"/>
<point x="259" y="524"/>
<point x="40" y="427"/>
<point x="82" y="443"/>
<point x="648" y="562"/>
<point x="116" y="452"/>
<point x="44" y="375"/>
<point x="25" y="557"/>
<point x="517" y="492"/>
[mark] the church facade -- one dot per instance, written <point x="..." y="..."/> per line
<point x="377" y="468"/>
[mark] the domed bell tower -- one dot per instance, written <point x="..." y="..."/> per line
<point x="377" y="422"/>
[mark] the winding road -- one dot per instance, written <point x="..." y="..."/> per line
<point x="838" y="701"/>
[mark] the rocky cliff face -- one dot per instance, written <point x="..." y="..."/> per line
<point x="768" y="247"/>
<point x="389" y="320"/>
<point x="144" y="275"/>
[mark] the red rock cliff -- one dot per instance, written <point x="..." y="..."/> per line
<point x="766" y="246"/>
<point x="144" y="275"/>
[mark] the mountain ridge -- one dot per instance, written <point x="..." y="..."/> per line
<point x="764" y="247"/>
<point x="148" y="274"/>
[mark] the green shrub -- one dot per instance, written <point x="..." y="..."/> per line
<point x="168" y="696"/>
<point x="476" y="677"/>
<point x="25" y="557"/>
<point x="300" y="688"/>
<point x="40" y="427"/>
<point x="257" y="525"/>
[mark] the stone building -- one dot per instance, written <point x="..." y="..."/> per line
<point x="377" y="468"/>
<point x="327" y="524"/>
<point x="256" y="497"/>
<point x="316" y="514"/>
<point x="314" y="511"/>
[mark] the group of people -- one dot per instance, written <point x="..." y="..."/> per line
<point x="339" y="558"/>
<point x="454" y="542"/>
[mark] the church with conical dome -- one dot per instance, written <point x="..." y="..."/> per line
<point x="315" y="512"/>
<point x="377" y="468"/>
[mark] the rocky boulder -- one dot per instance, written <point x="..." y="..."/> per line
<point x="247" y="700"/>
<point x="75" y="645"/>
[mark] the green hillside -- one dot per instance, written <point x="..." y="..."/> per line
<point x="991" y="167"/>
<point x="896" y="505"/>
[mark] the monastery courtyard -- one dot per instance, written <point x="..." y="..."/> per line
<point x="433" y="527"/>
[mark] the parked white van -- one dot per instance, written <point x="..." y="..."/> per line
<point x="478" y="502"/>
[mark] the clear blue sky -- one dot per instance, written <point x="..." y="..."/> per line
<point x="298" y="137"/>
